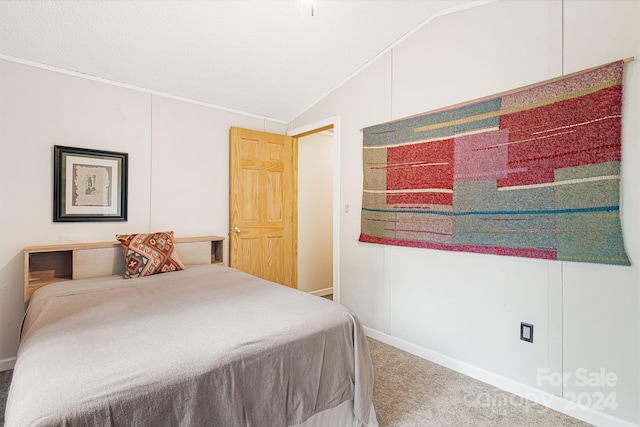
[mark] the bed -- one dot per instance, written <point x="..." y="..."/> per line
<point x="208" y="345"/>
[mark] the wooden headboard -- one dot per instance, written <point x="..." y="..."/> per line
<point x="55" y="263"/>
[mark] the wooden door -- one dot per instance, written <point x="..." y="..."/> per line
<point x="263" y="215"/>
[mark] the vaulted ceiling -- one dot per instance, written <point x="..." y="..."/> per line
<point x="271" y="58"/>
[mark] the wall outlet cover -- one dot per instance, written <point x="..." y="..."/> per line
<point x="526" y="332"/>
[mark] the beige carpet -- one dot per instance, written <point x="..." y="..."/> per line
<point x="410" y="391"/>
<point x="5" y="380"/>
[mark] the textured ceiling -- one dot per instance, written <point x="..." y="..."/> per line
<point x="270" y="58"/>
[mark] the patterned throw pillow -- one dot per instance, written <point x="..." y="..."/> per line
<point x="147" y="254"/>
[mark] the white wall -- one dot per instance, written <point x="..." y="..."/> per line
<point x="465" y="309"/>
<point x="178" y="167"/>
<point x="315" y="212"/>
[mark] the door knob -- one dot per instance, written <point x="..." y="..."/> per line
<point x="237" y="229"/>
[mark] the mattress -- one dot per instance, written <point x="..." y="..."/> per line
<point x="208" y="345"/>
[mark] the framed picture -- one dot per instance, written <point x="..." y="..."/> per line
<point x="89" y="185"/>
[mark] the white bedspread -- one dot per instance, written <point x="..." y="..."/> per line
<point x="207" y="346"/>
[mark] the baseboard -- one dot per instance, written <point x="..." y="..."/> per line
<point x="322" y="292"/>
<point x="531" y="393"/>
<point x="7" y="364"/>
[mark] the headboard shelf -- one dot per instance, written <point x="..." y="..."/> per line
<point x="48" y="264"/>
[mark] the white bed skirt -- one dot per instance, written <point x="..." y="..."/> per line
<point x="340" y="416"/>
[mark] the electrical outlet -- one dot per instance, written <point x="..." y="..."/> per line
<point x="526" y="332"/>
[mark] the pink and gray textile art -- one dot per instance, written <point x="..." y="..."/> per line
<point x="533" y="172"/>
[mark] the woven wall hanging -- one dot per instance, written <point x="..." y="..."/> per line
<point x="533" y="172"/>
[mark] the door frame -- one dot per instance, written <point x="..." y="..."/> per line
<point x="316" y="127"/>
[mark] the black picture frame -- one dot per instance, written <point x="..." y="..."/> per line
<point x="89" y="185"/>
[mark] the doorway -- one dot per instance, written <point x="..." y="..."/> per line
<point x="318" y="207"/>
